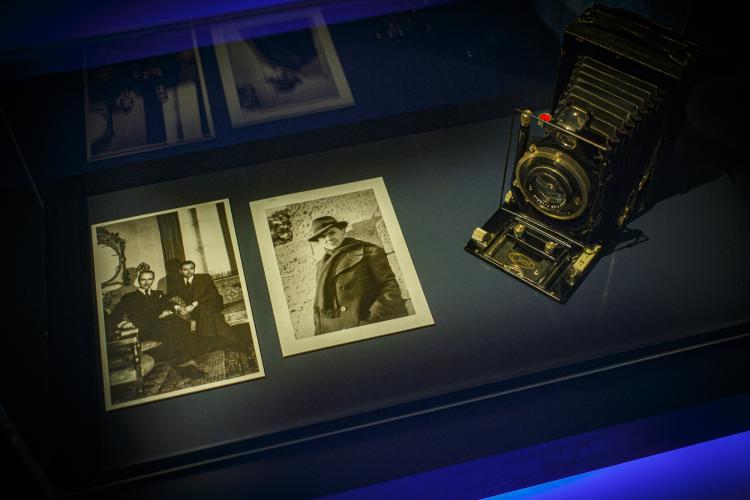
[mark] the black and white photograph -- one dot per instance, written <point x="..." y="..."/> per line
<point x="174" y="312"/>
<point x="145" y="104"/>
<point x="337" y="266"/>
<point x="279" y="66"/>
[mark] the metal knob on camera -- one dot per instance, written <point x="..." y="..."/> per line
<point x="581" y="262"/>
<point x="481" y="237"/>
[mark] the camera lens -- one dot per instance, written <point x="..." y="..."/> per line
<point x="549" y="190"/>
<point x="553" y="183"/>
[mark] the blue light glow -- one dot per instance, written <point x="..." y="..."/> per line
<point x="717" y="469"/>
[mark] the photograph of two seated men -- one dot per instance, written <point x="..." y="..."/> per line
<point x="175" y="315"/>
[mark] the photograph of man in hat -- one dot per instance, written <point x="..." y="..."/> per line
<point x="355" y="284"/>
<point x="337" y="266"/>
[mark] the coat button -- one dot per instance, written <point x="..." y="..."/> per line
<point x="343" y="308"/>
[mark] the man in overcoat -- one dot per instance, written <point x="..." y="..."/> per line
<point x="355" y="283"/>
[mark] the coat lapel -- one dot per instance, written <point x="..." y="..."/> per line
<point x="348" y="260"/>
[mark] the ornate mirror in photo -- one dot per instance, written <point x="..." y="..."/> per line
<point x="337" y="266"/>
<point x="174" y="314"/>
<point x="278" y="66"/>
<point x="148" y="103"/>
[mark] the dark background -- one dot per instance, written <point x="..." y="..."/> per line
<point x="420" y="82"/>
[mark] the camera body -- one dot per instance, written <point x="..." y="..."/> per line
<point x="580" y="172"/>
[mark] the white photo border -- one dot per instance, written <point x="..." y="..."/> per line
<point x="327" y="50"/>
<point x="290" y="345"/>
<point x="102" y="328"/>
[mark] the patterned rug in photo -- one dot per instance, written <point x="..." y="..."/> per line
<point x="218" y="366"/>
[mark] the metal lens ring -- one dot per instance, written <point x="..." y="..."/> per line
<point x="554" y="183"/>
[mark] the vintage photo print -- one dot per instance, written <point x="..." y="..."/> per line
<point x="145" y="104"/>
<point x="337" y="266"/>
<point x="174" y="313"/>
<point x="279" y="66"/>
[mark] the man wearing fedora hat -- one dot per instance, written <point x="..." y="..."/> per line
<point x="355" y="283"/>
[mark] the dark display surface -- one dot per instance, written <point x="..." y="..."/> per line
<point x="487" y="327"/>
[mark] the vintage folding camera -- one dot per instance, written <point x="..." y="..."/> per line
<point x="579" y="173"/>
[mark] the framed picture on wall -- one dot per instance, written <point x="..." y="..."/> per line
<point x="143" y="104"/>
<point x="174" y="313"/>
<point x="337" y="266"/>
<point x="279" y="66"/>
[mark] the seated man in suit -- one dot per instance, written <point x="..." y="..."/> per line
<point x="150" y="312"/>
<point x="202" y="300"/>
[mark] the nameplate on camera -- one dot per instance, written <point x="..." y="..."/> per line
<point x="531" y="253"/>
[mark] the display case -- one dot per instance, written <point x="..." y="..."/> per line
<point x="205" y="167"/>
